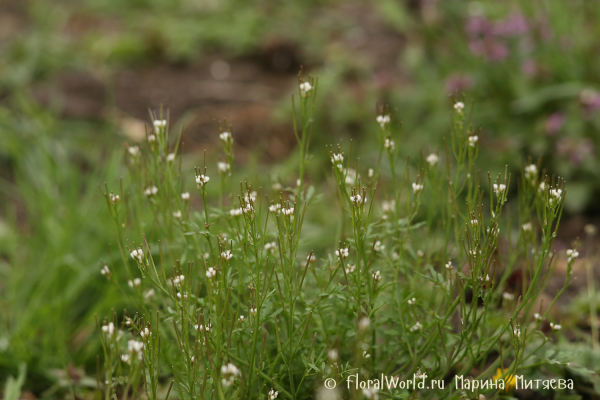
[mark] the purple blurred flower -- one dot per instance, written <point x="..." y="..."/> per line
<point x="555" y="122"/>
<point x="529" y="68"/>
<point x="458" y="82"/>
<point x="478" y="25"/>
<point x="575" y="150"/>
<point x="514" y="25"/>
<point x="590" y="101"/>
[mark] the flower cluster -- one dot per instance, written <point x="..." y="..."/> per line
<point x="226" y="255"/>
<point x="572" y="254"/>
<point x="383" y="120"/>
<point x="202" y="180"/>
<point x="138" y="255"/>
<point x="305" y="87"/>
<point x="342" y="253"/>
<point x="150" y="191"/>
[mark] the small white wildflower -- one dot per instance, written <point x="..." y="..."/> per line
<point x="171" y="157"/>
<point x="133" y="150"/>
<point x="137" y="255"/>
<point x="356" y="199"/>
<point x="542" y="186"/>
<point x="527" y="226"/>
<point x="572" y="254"/>
<point x="420" y="253"/>
<point x="305" y="87"/>
<point x="449" y="265"/>
<point x="412" y="301"/>
<point x="149" y="294"/>
<point x="388" y="206"/>
<point x="109" y="329"/>
<point x="125" y="358"/>
<point x="383" y="120"/>
<point x="159" y="123"/>
<point x="508" y="296"/>
<point x="420" y="375"/>
<point x="337" y="158"/>
<point x="350" y="268"/>
<point x="366" y="355"/>
<point x="287" y="211"/>
<point x="114" y="198"/>
<point x="273" y="395"/>
<point x="145" y="333"/>
<point x="311" y="258"/>
<point x="474" y="222"/>
<point x="150" y="191"/>
<point x="229" y="373"/>
<point x="223" y="167"/>
<point x="274" y="208"/>
<point x="376" y="276"/>
<point x="133" y="346"/>
<point x="517" y="332"/>
<point x="211" y="273"/>
<point x="178" y="280"/>
<point x="177" y="214"/>
<point x="459" y="106"/>
<point x="225" y="136"/>
<point x="202" y="180"/>
<point x="416" y="327"/>
<point x="378" y="246"/>
<point x="241" y="318"/>
<point x="432" y="159"/>
<point x="364" y="323"/>
<point x="531" y="171"/>
<point x="253" y="311"/>
<point x="556" y="193"/>
<point x="499" y="188"/>
<point x="235" y="212"/>
<point x="371" y="172"/>
<point x="270" y="246"/>
<point x="538" y="317"/>
<point x="389" y="144"/>
<point x="151" y="138"/>
<point x="371" y="393"/>
<point x="473" y="140"/>
<point x="226" y="255"/>
<point x="332" y="355"/>
<point x="105" y="271"/>
<point x="342" y="253"/>
<point x="417" y="188"/>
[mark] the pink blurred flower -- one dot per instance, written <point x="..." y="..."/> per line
<point x="458" y="82"/>
<point x="554" y="123"/>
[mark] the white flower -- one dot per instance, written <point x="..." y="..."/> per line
<point x="364" y="324"/>
<point x="449" y="265"/>
<point x="499" y="188"/>
<point x="270" y="246"/>
<point x="356" y="199"/>
<point x="229" y="373"/>
<point x="276" y="186"/>
<point x="151" y="138"/>
<point x="350" y="268"/>
<point x="105" y="271"/>
<point x="473" y="140"/>
<point x="332" y="355"/>
<point x="159" y="123"/>
<point x="538" y="317"/>
<point x="273" y="395"/>
<point x="134" y="283"/>
<point x="305" y="87"/>
<point x="149" y="294"/>
<point x="145" y="333"/>
<point x="376" y="276"/>
<point x="114" y="198"/>
<point x="371" y="393"/>
<point x="287" y="211"/>
<point x="365" y="354"/>
<point x="371" y="172"/>
<point x="555" y="327"/>
<point x="226" y="136"/>
<point x="274" y="208"/>
<point x="573" y="254"/>
<point x="137" y="255"/>
<point x="133" y="346"/>
<point x="556" y="193"/>
<point x="531" y="171"/>
<point x="459" y="106"/>
<point x="417" y="187"/>
<point x="235" y="212"/>
<point x="241" y="318"/>
<point x="474" y="222"/>
<point x="133" y="150"/>
<point x="226" y="255"/>
<point x="211" y="273"/>
<point x="170" y="157"/>
<point x="202" y="180"/>
<point x="125" y="358"/>
<point x="416" y="327"/>
<point x="251" y="197"/>
<point x="517" y="332"/>
<point x="185" y="196"/>
<point x="337" y="158"/>
<point x="342" y="253"/>
<point x="109" y="329"/>
<point x="253" y="311"/>
<point x="248" y="209"/>
<point x="177" y="214"/>
<point x="527" y="227"/>
<point x="388" y="206"/>
<point x="223" y="167"/>
<point x="311" y="258"/>
<point x="378" y="246"/>
<point x="508" y="296"/>
<point x="383" y="120"/>
<point x="420" y="375"/>
<point x="150" y="191"/>
<point x="389" y="144"/>
<point x="178" y="280"/>
<point x="412" y="301"/>
<point x="542" y="186"/>
<point x="432" y="159"/>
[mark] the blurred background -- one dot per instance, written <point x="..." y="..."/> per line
<point x="77" y="79"/>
